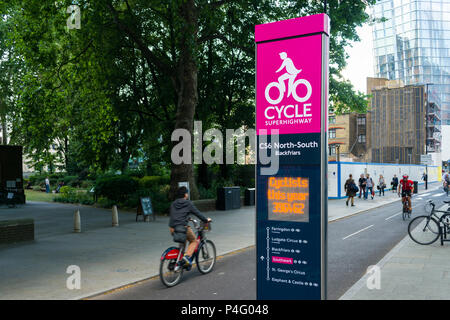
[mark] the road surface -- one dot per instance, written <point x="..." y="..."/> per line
<point x="354" y="243"/>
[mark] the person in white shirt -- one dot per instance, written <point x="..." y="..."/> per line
<point x="47" y="185"/>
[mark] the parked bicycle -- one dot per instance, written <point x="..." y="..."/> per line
<point x="172" y="265"/>
<point x="427" y="229"/>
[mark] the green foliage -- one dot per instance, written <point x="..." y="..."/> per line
<point x="116" y="188"/>
<point x="87" y="100"/>
<point x="72" y="196"/>
<point x="153" y="182"/>
<point x="67" y="191"/>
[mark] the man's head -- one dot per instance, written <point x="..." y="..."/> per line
<point x="283" y="55"/>
<point x="361" y="176"/>
<point x="350" y="176"/>
<point x="182" y="192"/>
<point x="405" y="177"/>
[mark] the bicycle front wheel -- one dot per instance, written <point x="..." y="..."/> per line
<point x="169" y="273"/>
<point x="423" y="230"/>
<point x="206" y="257"/>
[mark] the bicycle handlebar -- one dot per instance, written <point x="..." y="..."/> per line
<point x="198" y="224"/>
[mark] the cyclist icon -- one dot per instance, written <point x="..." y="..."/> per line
<point x="290" y="75"/>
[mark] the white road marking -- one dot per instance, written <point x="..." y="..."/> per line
<point x="393" y="215"/>
<point x="358" y="232"/>
<point x="425" y="194"/>
<point x="438" y="195"/>
<point x="400" y="213"/>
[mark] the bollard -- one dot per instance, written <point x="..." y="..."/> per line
<point x="115" y="216"/>
<point x="77" y="222"/>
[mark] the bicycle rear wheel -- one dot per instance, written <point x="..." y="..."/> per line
<point x="423" y="230"/>
<point x="168" y="273"/>
<point x="206" y="257"/>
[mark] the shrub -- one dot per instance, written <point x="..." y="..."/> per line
<point x="36" y="179"/>
<point x="153" y="182"/>
<point x="71" y="181"/>
<point x="71" y="196"/>
<point x="116" y="188"/>
<point x="67" y="191"/>
<point x="87" y="184"/>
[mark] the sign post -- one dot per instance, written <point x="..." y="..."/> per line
<point x="291" y="126"/>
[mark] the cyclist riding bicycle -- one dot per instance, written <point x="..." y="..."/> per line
<point x="406" y="187"/>
<point x="180" y="210"/>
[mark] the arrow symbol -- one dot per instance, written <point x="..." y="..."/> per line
<point x="262" y="258"/>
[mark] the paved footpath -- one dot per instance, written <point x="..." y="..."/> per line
<point x="338" y="210"/>
<point x="113" y="257"/>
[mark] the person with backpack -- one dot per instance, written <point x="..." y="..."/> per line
<point x="369" y="186"/>
<point x="180" y="210"/>
<point x="351" y="190"/>
<point x="362" y="186"/>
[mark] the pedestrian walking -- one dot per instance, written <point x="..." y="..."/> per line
<point x="369" y="185"/>
<point x="351" y="190"/>
<point x="446" y="181"/>
<point x="362" y="185"/>
<point x="47" y="185"/>
<point x="381" y="184"/>
<point x="394" y="183"/>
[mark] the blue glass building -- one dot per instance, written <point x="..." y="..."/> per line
<point x="413" y="45"/>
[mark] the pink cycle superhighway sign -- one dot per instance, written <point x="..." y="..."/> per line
<point x="291" y="126"/>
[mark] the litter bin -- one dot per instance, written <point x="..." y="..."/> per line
<point x="228" y="198"/>
<point x="249" y="197"/>
<point x="416" y="186"/>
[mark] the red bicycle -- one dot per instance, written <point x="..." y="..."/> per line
<point x="172" y="265"/>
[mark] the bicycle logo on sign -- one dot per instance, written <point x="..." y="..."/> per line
<point x="290" y="75"/>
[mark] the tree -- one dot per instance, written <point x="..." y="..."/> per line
<point x="138" y="69"/>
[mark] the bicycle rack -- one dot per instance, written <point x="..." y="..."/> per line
<point x="443" y="232"/>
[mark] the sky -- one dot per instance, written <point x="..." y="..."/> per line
<point x="360" y="62"/>
<point x="360" y="66"/>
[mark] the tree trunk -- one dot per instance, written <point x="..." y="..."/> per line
<point x="4" y="139"/>
<point x="203" y="175"/>
<point x="187" y="94"/>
